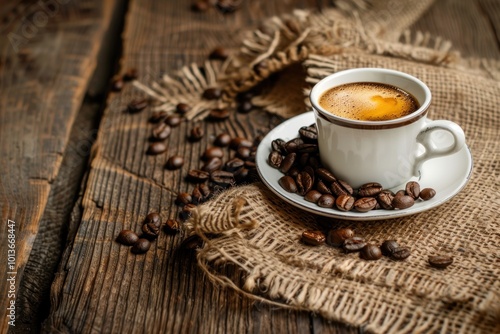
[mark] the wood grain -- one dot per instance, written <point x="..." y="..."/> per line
<point x="47" y="56"/>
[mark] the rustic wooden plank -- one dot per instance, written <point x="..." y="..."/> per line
<point x="47" y="55"/>
<point x="491" y="9"/>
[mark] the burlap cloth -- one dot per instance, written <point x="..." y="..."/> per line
<point x="250" y="229"/>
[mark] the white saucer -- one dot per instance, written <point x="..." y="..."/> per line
<point x="447" y="175"/>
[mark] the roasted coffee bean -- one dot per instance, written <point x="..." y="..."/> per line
<point x="344" y="202"/>
<point x="141" y="246"/>
<point x="158" y="116"/>
<point x="174" y="162"/>
<point x="212" y="152"/>
<point x="304" y="160"/>
<point x="275" y="158"/>
<point x="313" y="238"/>
<point x="337" y="237"/>
<point x="309" y="170"/>
<point x="205" y="190"/>
<point x="212" y="164"/>
<point x="228" y="6"/>
<point x="238" y="142"/>
<point x="234" y="164"/>
<point x="161" y="132"/>
<point x="304" y="183"/>
<point x="117" y="85"/>
<point x="156" y="148"/>
<point x="314" y="162"/>
<point x="197" y="175"/>
<point x="400" y="254"/>
<point x="365" y="204"/>
<point x="369" y="189"/>
<point x="219" y="53"/>
<point x="137" y="105"/>
<point x="308" y="134"/>
<point x="322" y="188"/>
<point x="354" y="244"/>
<point x="187" y="211"/>
<point x="288" y="162"/>
<point x="183" y="199"/>
<point x="222" y="178"/>
<point x="279" y="145"/>
<point x="241" y="174"/>
<point x="196" y="196"/>
<point x="243" y="152"/>
<point x="191" y="243"/>
<point x="250" y="164"/>
<point x="257" y="140"/>
<point x="312" y="196"/>
<point x="182" y="108"/>
<point x="326" y="201"/>
<point x="292" y="145"/>
<point x="200" y="6"/>
<point x="212" y="93"/>
<point x="337" y="189"/>
<point x="413" y="189"/>
<point x="402" y="202"/>
<point x="172" y="226"/>
<point x="222" y="140"/>
<point x="346" y="186"/>
<point x="244" y="107"/>
<point x="153" y="218"/>
<point x="130" y="74"/>
<point x="288" y="183"/>
<point x="325" y="175"/>
<point x="427" y="193"/>
<point x="307" y="148"/>
<point x="385" y="198"/>
<point x="218" y="115"/>
<point x="150" y="230"/>
<point x="370" y="252"/>
<point x="173" y="120"/>
<point x="388" y="247"/>
<point x="127" y="237"/>
<point x="440" y="261"/>
<point x="293" y="172"/>
<point x="400" y="193"/>
<point x="196" y="133"/>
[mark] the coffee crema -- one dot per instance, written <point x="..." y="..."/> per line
<point x="368" y="101"/>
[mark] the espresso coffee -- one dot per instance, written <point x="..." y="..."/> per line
<point x="368" y="101"/>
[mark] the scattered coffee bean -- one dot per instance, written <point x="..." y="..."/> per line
<point x="219" y="53"/>
<point x="172" y="226"/>
<point x="234" y="164"/>
<point x="127" y="237"/>
<point x="212" y="164"/>
<point x="212" y="152"/>
<point x="313" y="238"/>
<point x="241" y="175"/>
<point x="183" y="199"/>
<point x="200" y="6"/>
<point x="173" y="120"/>
<point x="326" y="201"/>
<point x="228" y="6"/>
<point x="275" y="159"/>
<point x="218" y="115"/>
<point x="402" y="202"/>
<point x="212" y="93"/>
<point x="440" y="261"/>
<point x="325" y="175"/>
<point x="312" y="196"/>
<point x="191" y="243"/>
<point x="196" y="196"/>
<point x="401" y="253"/>
<point x="174" y="162"/>
<point x="354" y="244"/>
<point x="187" y="211"/>
<point x="182" y="108"/>
<point x="388" y="247"/>
<point x="427" y="193"/>
<point x="205" y="190"/>
<point x="198" y="176"/>
<point x="337" y="237"/>
<point x="158" y="116"/>
<point x="288" y="162"/>
<point x="137" y="105"/>
<point x="305" y="183"/>
<point x="370" y="189"/>
<point x="288" y="183"/>
<point x="161" y="132"/>
<point x="141" y="246"/>
<point x="244" y="107"/>
<point x="238" y="142"/>
<point x="196" y="133"/>
<point x="222" y="178"/>
<point x="151" y="229"/>
<point x="117" y="85"/>
<point x="412" y="189"/>
<point x="370" y="252"/>
<point x="156" y="148"/>
<point x="130" y="74"/>
<point x="345" y="202"/>
<point x="243" y="152"/>
<point x="222" y="140"/>
<point x="365" y="204"/>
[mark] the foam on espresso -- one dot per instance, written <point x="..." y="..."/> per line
<point x="367" y="101"/>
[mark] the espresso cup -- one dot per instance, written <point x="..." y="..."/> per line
<point x="389" y="152"/>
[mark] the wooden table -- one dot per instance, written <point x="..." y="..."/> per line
<point x="74" y="173"/>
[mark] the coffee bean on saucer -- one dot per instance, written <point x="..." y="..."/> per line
<point x="288" y="162"/>
<point x="388" y="247"/>
<point x="345" y="202"/>
<point x="292" y="145"/>
<point x="401" y="253"/>
<point x="308" y="134"/>
<point x="370" y="252"/>
<point x="336" y="237"/>
<point x="365" y="204"/>
<point x="275" y="159"/>
<point x="312" y="196"/>
<point x="325" y="175"/>
<point x="322" y="188"/>
<point x="141" y="246"/>
<point x="156" y="148"/>
<point x="293" y="172"/>
<point x="174" y="162"/>
<point x="288" y="183"/>
<point x="412" y="189"/>
<point x="385" y="198"/>
<point x="440" y="261"/>
<point x="427" y="193"/>
<point x="326" y="201"/>
<point x="137" y="105"/>
<point x="369" y="189"/>
<point x="127" y="237"/>
<point x="279" y="145"/>
<point x="304" y="184"/>
<point x="313" y="238"/>
<point x="222" y="140"/>
<point x="402" y="202"/>
<point x="182" y="108"/>
<point x="354" y="244"/>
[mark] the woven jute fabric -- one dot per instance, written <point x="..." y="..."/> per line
<point x="250" y="229"/>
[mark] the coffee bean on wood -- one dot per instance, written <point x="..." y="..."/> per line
<point x="156" y="148"/>
<point x="174" y="162"/>
<point x="127" y="237"/>
<point x="172" y="226"/>
<point x="141" y="246"/>
<point x="137" y="105"/>
<point x="222" y="140"/>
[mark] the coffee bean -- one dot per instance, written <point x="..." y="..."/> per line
<point x="158" y="116"/>
<point x="218" y="115"/>
<point x="130" y="74"/>
<point x="307" y="148"/>
<point x="127" y="237"/>
<point x="154" y="218"/>
<point x="161" y="132"/>
<point x="388" y="247"/>
<point x="337" y="237"/>
<point x="288" y="162"/>
<point x="173" y="120"/>
<point x="312" y="196"/>
<point x="141" y="246"/>
<point x="183" y="199"/>
<point x="222" y="140"/>
<point x="182" y="108"/>
<point x="326" y="201"/>
<point x="354" y="244"/>
<point x="244" y="107"/>
<point x="196" y="133"/>
<point x="197" y="175"/>
<point x="151" y="229"/>
<point x="187" y="211"/>
<point x="174" y="162"/>
<point x="238" y="142"/>
<point x="205" y="190"/>
<point x="156" y="148"/>
<point x="344" y="202"/>
<point x="370" y="252"/>
<point x="279" y="145"/>
<point x="212" y="152"/>
<point x="212" y="93"/>
<point x="293" y="171"/>
<point x="288" y="183"/>
<point x="191" y="243"/>
<point x="243" y="153"/>
<point x="212" y="164"/>
<point x="117" y="85"/>
<point x="385" y="198"/>
<point x="219" y="53"/>
<point x="196" y="196"/>
<point x="137" y="105"/>
<point x="227" y="6"/>
<point x="365" y="204"/>
<point x="234" y="164"/>
<point x="309" y="170"/>
<point x="322" y="188"/>
<point x="402" y="202"/>
<point x="427" y="193"/>
<point x="313" y="238"/>
<point x="440" y="261"/>
<point x="241" y="174"/>
<point x="400" y="193"/>
<point x="304" y="160"/>
<point x="292" y="145"/>
<point x="222" y="178"/>
<point x="325" y="175"/>
<point x="346" y="186"/>
<point x="369" y="189"/>
<point x="412" y="189"/>
<point x="172" y="226"/>
<point x="275" y="158"/>
<point x="401" y="253"/>
<point x="304" y="183"/>
<point x="308" y="134"/>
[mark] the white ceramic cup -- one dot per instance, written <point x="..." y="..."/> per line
<point x="388" y="152"/>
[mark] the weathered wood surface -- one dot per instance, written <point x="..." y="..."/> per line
<point x="48" y="52"/>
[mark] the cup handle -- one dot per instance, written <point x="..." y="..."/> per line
<point x="431" y="149"/>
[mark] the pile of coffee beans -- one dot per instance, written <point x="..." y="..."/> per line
<point x="298" y="159"/>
